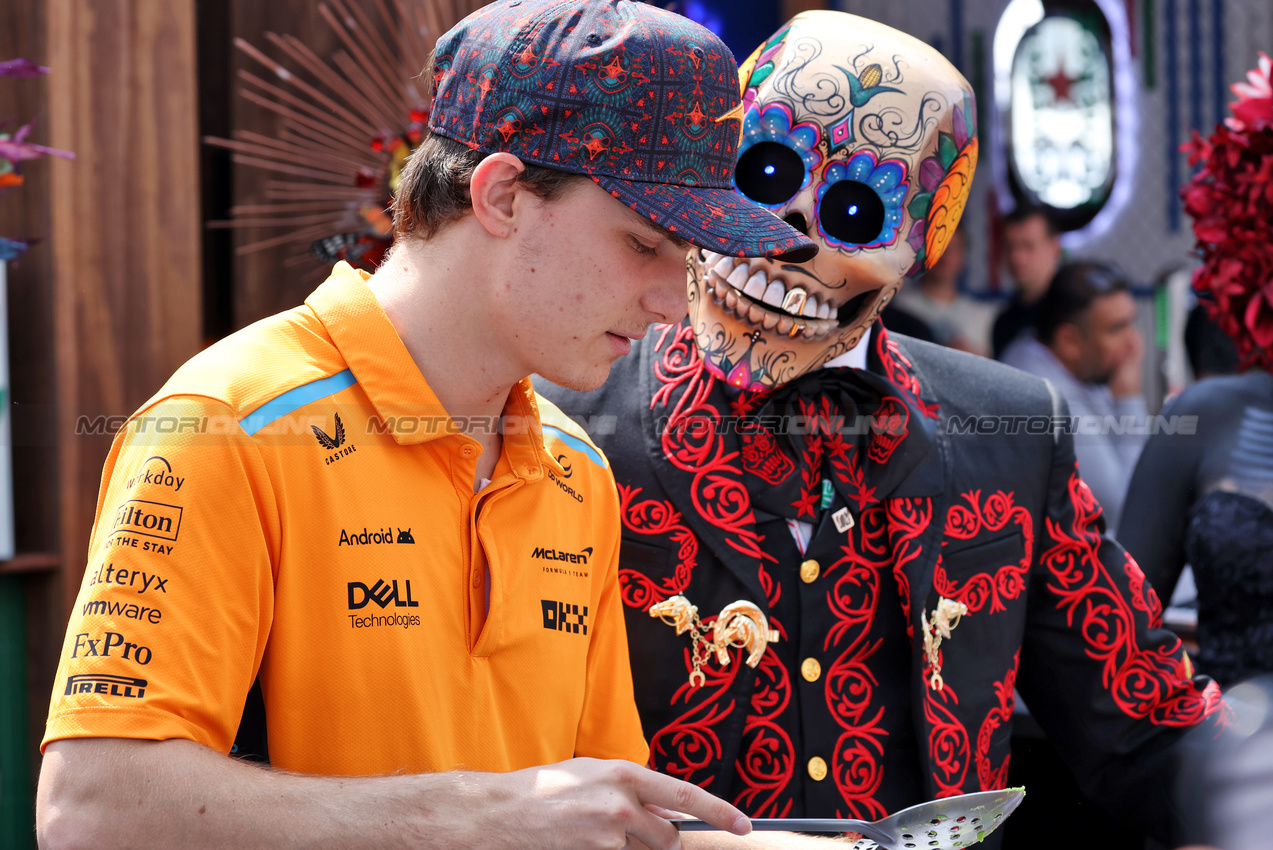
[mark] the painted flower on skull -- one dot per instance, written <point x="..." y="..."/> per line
<point x="944" y="181"/>
<point x="887" y="179"/>
<point x="773" y="125"/>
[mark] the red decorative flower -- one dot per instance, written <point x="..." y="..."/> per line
<point x="1231" y="202"/>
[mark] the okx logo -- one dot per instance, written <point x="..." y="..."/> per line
<point x="564" y="617"/>
<point x="381" y="593"/>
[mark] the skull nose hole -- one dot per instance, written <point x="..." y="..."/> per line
<point x="797" y="221"/>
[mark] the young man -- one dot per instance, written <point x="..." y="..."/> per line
<point x="1087" y="344"/>
<point x="361" y="506"/>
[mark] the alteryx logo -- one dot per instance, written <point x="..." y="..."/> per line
<point x="580" y="557"/>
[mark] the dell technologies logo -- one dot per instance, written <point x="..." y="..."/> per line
<point x="381" y="593"/>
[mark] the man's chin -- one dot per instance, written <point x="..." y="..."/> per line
<point x="578" y="381"/>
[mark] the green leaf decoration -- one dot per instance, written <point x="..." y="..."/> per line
<point x="946" y="151"/>
<point x="918" y="207"/>
<point x="761" y="74"/>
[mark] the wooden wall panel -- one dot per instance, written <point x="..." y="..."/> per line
<point x="263" y="283"/>
<point x="126" y="230"/>
<point x="24" y="213"/>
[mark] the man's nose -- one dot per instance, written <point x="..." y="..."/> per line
<point x="668" y="300"/>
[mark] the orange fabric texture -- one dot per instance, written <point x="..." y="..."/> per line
<point x="295" y="502"/>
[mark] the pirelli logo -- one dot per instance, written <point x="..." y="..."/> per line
<point x="103" y="683"/>
<point x="564" y="617"/>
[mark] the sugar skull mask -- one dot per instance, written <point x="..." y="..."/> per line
<point x="865" y="139"/>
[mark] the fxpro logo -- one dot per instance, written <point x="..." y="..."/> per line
<point x="106" y="684"/>
<point x="149" y="519"/>
<point x="580" y="557"/>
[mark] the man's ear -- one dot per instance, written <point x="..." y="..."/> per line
<point x="493" y="189"/>
<point x="1067" y="343"/>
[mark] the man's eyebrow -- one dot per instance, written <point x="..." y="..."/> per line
<point x="655" y="229"/>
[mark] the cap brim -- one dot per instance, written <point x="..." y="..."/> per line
<point x="719" y="220"/>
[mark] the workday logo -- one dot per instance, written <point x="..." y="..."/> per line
<point x="160" y="474"/>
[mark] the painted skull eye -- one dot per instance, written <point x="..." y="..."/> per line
<point x="851" y="212"/>
<point x="769" y="173"/>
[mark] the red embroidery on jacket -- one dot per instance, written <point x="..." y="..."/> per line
<point x="655" y="517"/>
<point x="992" y="778"/>
<point x="965" y="523"/>
<point x="888" y="429"/>
<point x="688" y="747"/>
<point x="693" y="441"/>
<point x="899" y="371"/>
<point x="1143" y="682"/>
<point x="767" y="760"/>
<point x="948" y="750"/>
<point x="850" y="689"/>
<point x="908" y="519"/>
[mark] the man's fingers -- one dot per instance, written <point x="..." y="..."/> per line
<point x="670" y="793"/>
<point x="654" y="832"/>
<point x="665" y="813"/>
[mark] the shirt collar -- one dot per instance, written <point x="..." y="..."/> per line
<point x="854" y="358"/>
<point x="407" y="406"/>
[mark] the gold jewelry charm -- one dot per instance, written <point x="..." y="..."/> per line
<point x="741" y="624"/>
<point x="945" y="617"/>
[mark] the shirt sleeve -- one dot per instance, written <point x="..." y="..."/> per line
<point x="1112" y="688"/>
<point x="610" y="726"/>
<point x="168" y="630"/>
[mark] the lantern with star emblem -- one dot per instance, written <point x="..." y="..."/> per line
<point x="1060" y="122"/>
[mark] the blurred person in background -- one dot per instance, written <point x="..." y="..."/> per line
<point x="1203" y="495"/>
<point x="1032" y="252"/>
<point x="1087" y="344"/>
<point x="956" y="320"/>
<point x="1210" y="350"/>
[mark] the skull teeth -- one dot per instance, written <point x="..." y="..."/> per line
<point x="767" y="304"/>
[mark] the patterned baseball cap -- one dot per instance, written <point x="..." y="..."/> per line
<point x="643" y="101"/>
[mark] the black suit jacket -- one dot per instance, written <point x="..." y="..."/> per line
<point x="991" y="513"/>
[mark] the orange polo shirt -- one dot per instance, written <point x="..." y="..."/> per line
<point x="296" y="503"/>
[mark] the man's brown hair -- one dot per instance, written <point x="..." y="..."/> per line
<point x="433" y="190"/>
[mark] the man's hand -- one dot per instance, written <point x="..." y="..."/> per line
<point x="1126" y="379"/>
<point x="587" y="803"/>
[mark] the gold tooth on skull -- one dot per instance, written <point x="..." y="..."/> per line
<point x="793" y="302"/>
